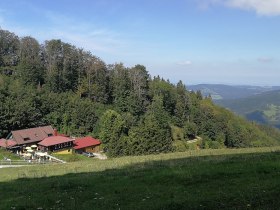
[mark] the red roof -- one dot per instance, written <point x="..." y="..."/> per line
<point x="53" y="140"/>
<point x="7" y="143"/>
<point x="86" y="142"/>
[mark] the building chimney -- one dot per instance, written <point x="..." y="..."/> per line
<point x="55" y="132"/>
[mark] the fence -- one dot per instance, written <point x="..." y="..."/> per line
<point x="22" y="162"/>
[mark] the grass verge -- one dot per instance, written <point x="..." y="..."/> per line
<point x="7" y="154"/>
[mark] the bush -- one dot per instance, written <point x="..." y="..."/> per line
<point x="215" y="145"/>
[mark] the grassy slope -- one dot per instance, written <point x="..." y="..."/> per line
<point x="208" y="179"/>
<point x="4" y="153"/>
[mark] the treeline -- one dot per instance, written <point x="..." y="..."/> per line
<point x="71" y="89"/>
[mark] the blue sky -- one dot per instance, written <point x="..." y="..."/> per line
<point x="197" y="41"/>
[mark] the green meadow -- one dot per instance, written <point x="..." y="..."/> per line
<point x="205" y="179"/>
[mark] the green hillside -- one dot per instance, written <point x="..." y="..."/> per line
<point x="132" y="113"/>
<point x="263" y="108"/>
<point x="206" y="179"/>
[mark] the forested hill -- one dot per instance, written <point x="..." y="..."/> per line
<point x="59" y="84"/>
<point x="262" y="108"/>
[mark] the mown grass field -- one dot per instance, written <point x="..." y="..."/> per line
<point x="205" y="179"/>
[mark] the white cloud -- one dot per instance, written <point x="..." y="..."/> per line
<point x="85" y="40"/>
<point x="261" y="7"/>
<point x="18" y="30"/>
<point x="265" y="59"/>
<point x="102" y="41"/>
<point x="184" y="63"/>
<point x="83" y="34"/>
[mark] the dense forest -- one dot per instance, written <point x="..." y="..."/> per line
<point x="132" y="113"/>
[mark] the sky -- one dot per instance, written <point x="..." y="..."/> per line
<point x="233" y="42"/>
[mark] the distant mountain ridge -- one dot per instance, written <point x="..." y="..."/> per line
<point x="263" y="108"/>
<point x="220" y="91"/>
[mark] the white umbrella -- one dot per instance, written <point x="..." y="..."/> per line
<point x="27" y="148"/>
<point x="30" y="150"/>
<point x="34" y="146"/>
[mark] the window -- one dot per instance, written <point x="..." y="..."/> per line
<point x="50" y="134"/>
<point x="26" y="138"/>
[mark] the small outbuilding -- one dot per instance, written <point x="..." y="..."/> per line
<point x="87" y="144"/>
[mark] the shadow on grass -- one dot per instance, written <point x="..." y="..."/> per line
<point x="247" y="181"/>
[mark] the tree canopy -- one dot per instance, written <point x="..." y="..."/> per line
<point x="132" y="113"/>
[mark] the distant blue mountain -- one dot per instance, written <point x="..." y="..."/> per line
<point x="219" y="91"/>
<point x="256" y="103"/>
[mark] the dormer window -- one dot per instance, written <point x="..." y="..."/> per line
<point x="26" y="139"/>
<point x="50" y="134"/>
